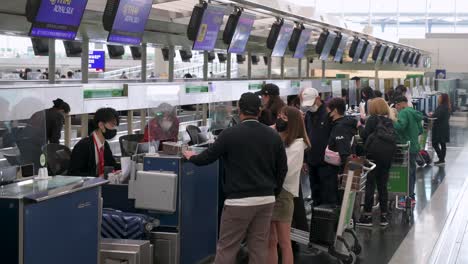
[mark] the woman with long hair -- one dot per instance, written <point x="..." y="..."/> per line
<point x="441" y="128"/>
<point x="380" y="114"/>
<point x="290" y="126"/>
<point x="272" y="104"/>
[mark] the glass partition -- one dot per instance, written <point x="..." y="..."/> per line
<point x="23" y="134"/>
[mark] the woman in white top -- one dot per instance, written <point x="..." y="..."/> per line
<point x="290" y="125"/>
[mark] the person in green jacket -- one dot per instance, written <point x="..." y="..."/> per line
<point x="409" y="127"/>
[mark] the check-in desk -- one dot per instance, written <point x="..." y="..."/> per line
<point x="53" y="221"/>
<point x="183" y="197"/>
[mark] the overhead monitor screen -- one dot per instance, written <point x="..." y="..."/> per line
<point x="130" y="21"/>
<point x="58" y="19"/>
<point x="357" y="54"/>
<point x="341" y="48"/>
<point x="242" y="33"/>
<point x="387" y="55"/>
<point x="328" y="46"/>
<point x="209" y="28"/>
<point x="302" y="44"/>
<point x="283" y="40"/>
<point x="97" y="61"/>
<point x="366" y="52"/>
<point x="381" y="53"/>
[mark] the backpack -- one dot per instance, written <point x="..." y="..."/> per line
<point x="382" y="143"/>
<point x="424" y="155"/>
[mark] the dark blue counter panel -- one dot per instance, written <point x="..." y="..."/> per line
<point x="65" y="222"/>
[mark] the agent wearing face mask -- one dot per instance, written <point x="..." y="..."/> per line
<point x="92" y="154"/>
<point x="164" y="126"/>
<point x="318" y="131"/>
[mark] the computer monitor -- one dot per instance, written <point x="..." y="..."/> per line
<point x="8" y="175"/>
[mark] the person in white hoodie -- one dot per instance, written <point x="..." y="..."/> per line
<point x="290" y="125"/>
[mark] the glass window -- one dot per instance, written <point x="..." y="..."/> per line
<point x="418" y="6"/>
<point x="447" y="6"/>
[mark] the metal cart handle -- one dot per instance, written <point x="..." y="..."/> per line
<point x="372" y="166"/>
<point x="403" y="145"/>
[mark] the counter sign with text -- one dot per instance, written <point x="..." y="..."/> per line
<point x="58" y="19"/>
<point x="97" y="61"/>
<point x="130" y="21"/>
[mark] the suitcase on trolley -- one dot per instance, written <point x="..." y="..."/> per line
<point x="324" y="223"/>
<point x="121" y="225"/>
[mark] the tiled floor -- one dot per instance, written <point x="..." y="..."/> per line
<point x="437" y="190"/>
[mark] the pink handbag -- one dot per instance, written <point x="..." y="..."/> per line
<point x="332" y="157"/>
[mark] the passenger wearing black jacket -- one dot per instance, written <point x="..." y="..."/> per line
<point x="255" y="165"/>
<point x="379" y="115"/>
<point x="318" y="129"/>
<point x="91" y="154"/>
<point x="341" y="140"/>
<point x="53" y="121"/>
<point x="441" y="128"/>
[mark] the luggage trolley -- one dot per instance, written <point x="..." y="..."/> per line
<point x="339" y="222"/>
<point x="398" y="182"/>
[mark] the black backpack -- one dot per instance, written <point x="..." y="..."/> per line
<point x="382" y="143"/>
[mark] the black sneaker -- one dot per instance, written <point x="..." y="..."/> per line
<point x="365" y="220"/>
<point x="383" y="220"/>
<point x="439" y="163"/>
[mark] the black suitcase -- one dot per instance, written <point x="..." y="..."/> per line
<point x="324" y="224"/>
<point x="122" y="225"/>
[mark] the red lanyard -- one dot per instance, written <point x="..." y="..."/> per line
<point x="100" y="152"/>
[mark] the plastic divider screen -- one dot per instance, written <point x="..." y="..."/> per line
<point x="58" y="19"/>
<point x="130" y="21"/>
<point x="23" y="134"/>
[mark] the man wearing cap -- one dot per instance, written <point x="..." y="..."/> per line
<point x="318" y="130"/>
<point x="272" y="103"/>
<point x="255" y="166"/>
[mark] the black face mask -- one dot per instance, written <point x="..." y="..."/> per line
<point x="281" y="125"/>
<point x="109" y="134"/>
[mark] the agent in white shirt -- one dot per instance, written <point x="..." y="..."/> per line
<point x="290" y="125"/>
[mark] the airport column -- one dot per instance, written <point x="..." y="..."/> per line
<point x="282" y="67"/>
<point x="228" y="64"/>
<point x="323" y="69"/>
<point x="376" y="74"/>
<point x="171" y="63"/>
<point x="299" y="69"/>
<point x="84" y="79"/>
<point x="249" y="66"/>
<point x="52" y="68"/>
<point x="307" y="67"/>
<point x="205" y="78"/>
<point x="144" y="60"/>
<point x="269" y="68"/>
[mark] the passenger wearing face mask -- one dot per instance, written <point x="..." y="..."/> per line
<point x="272" y="104"/>
<point x="341" y="141"/>
<point x="164" y="126"/>
<point x="91" y="154"/>
<point x="318" y="131"/>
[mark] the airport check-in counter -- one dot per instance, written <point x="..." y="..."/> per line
<point x="54" y="221"/>
<point x="182" y="196"/>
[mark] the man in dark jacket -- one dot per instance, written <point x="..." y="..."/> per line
<point x="318" y="130"/>
<point x="255" y="164"/>
<point x="92" y="154"/>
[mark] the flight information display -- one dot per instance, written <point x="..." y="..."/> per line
<point x="283" y="39"/>
<point x="130" y="21"/>
<point x="58" y="19"/>
<point x="366" y="53"/>
<point x="302" y="43"/>
<point x="328" y="46"/>
<point x="209" y="28"/>
<point x="97" y="61"/>
<point x="241" y="34"/>
<point x="357" y="53"/>
<point x="341" y="48"/>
